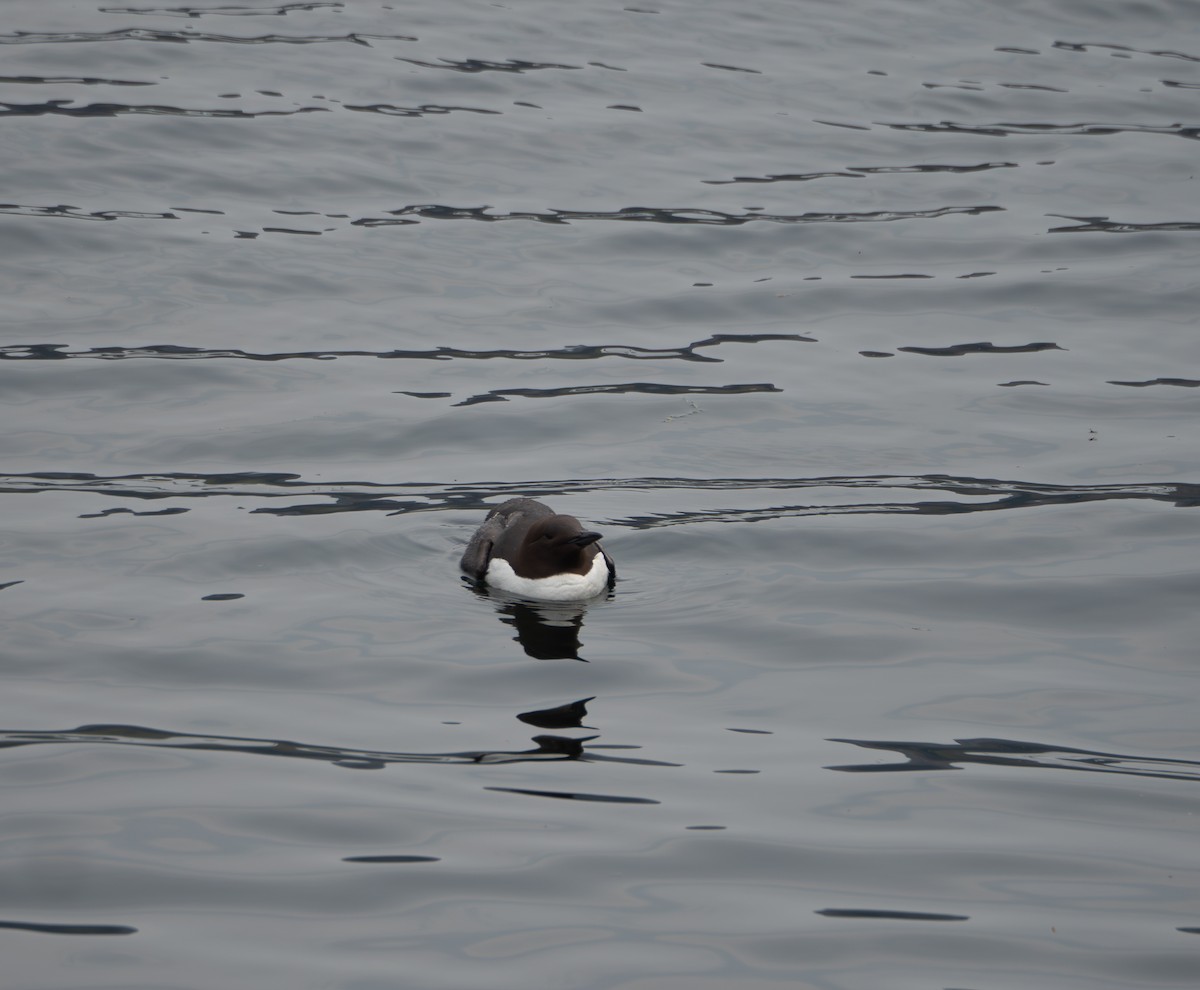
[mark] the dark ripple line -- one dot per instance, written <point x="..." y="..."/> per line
<point x="959" y="350"/>
<point x="1104" y="225"/>
<point x="1016" y="753"/>
<point x="993" y="495"/>
<point x="1002" y="85"/>
<point x="66" y="212"/>
<point x="411" y="215"/>
<point x="291" y="230"/>
<point x="424" y="110"/>
<point x="574" y="796"/>
<point x="624" y="388"/>
<point x="882" y="915"/>
<point x="279" y="10"/>
<point x="58" y="929"/>
<point x="119" y="511"/>
<point x="186" y="37"/>
<point x="852" y="172"/>
<point x="1007" y="129"/>
<point x="1072" y="46"/>
<point x="548" y="747"/>
<point x="351" y="496"/>
<point x="434" y="211"/>
<point x="1043" y="89"/>
<point x="59" y="108"/>
<point x="571" y="352"/>
<point x="1177" y="382"/>
<point x="902" y="275"/>
<point x="731" y="68"/>
<point x="474" y="65"/>
<point x="74" y="80"/>
<point x="784" y="177"/>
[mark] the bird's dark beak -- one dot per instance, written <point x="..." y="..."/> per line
<point x="584" y="539"/>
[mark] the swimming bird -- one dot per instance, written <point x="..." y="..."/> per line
<point x="527" y="548"/>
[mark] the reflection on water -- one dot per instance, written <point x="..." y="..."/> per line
<point x="869" y="913"/>
<point x="568" y="716"/>
<point x="574" y="352"/>
<point x="545" y="636"/>
<point x="576" y="796"/>
<point x="53" y="929"/>
<point x="545" y="630"/>
<point x="186" y="37"/>
<point x="346" y="274"/>
<point x="963" y="494"/>
<point x="921" y="756"/>
<point x="546" y="747"/>
<point x="858" y="173"/>
<point x="625" y="388"/>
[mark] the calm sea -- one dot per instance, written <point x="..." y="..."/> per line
<point x="865" y="331"/>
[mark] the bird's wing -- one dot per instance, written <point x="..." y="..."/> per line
<point x="478" y="555"/>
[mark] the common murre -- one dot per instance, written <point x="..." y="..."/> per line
<point x="526" y="548"/>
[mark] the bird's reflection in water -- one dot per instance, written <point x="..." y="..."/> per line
<point x="1015" y="753"/>
<point x="568" y="716"/>
<point x="546" y="747"/>
<point x="545" y="630"/>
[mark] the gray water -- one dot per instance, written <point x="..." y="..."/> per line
<point x="864" y="331"/>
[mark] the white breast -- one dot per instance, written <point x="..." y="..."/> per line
<point x="559" y="588"/>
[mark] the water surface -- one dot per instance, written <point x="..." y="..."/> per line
<point x="864" y="333"/>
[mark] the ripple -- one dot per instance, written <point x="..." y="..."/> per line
<point x="575" y="796"/>
<point x="73" y="80"/>
<point x="571" y="352"/>
<point x="730" y="68"/>
<point x="417" y="213"/>
<point x="1106" y="226"/>
<point x="901" y="275"/>
<point x="54" y="929"/>
<point x="1006" y="129"/>
<point x="277" y="10"/>
<point x="649" y="214"/>
<point x="958" y="350"/>
<point x="424" y="110"/>
<point x="475" y="65"/>
<point x="872" y="494"/>
<point x="1072" y="46"/>
<point x="1177" y="382"/>
<point x="880" y="914"/>
<point x="853" y="172"/>
<point x="65" y="212"/>
<point x="187" y="37"/>
<point x="548" y="748"/>
<point x="112" y="512"/>
<point x="979" y="88"/>
<point x="1016" y="753"/>
<point x="624" y="388"/>
<point x="60" y="108"/>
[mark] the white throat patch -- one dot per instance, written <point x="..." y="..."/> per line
<point x="559" y="588"/>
